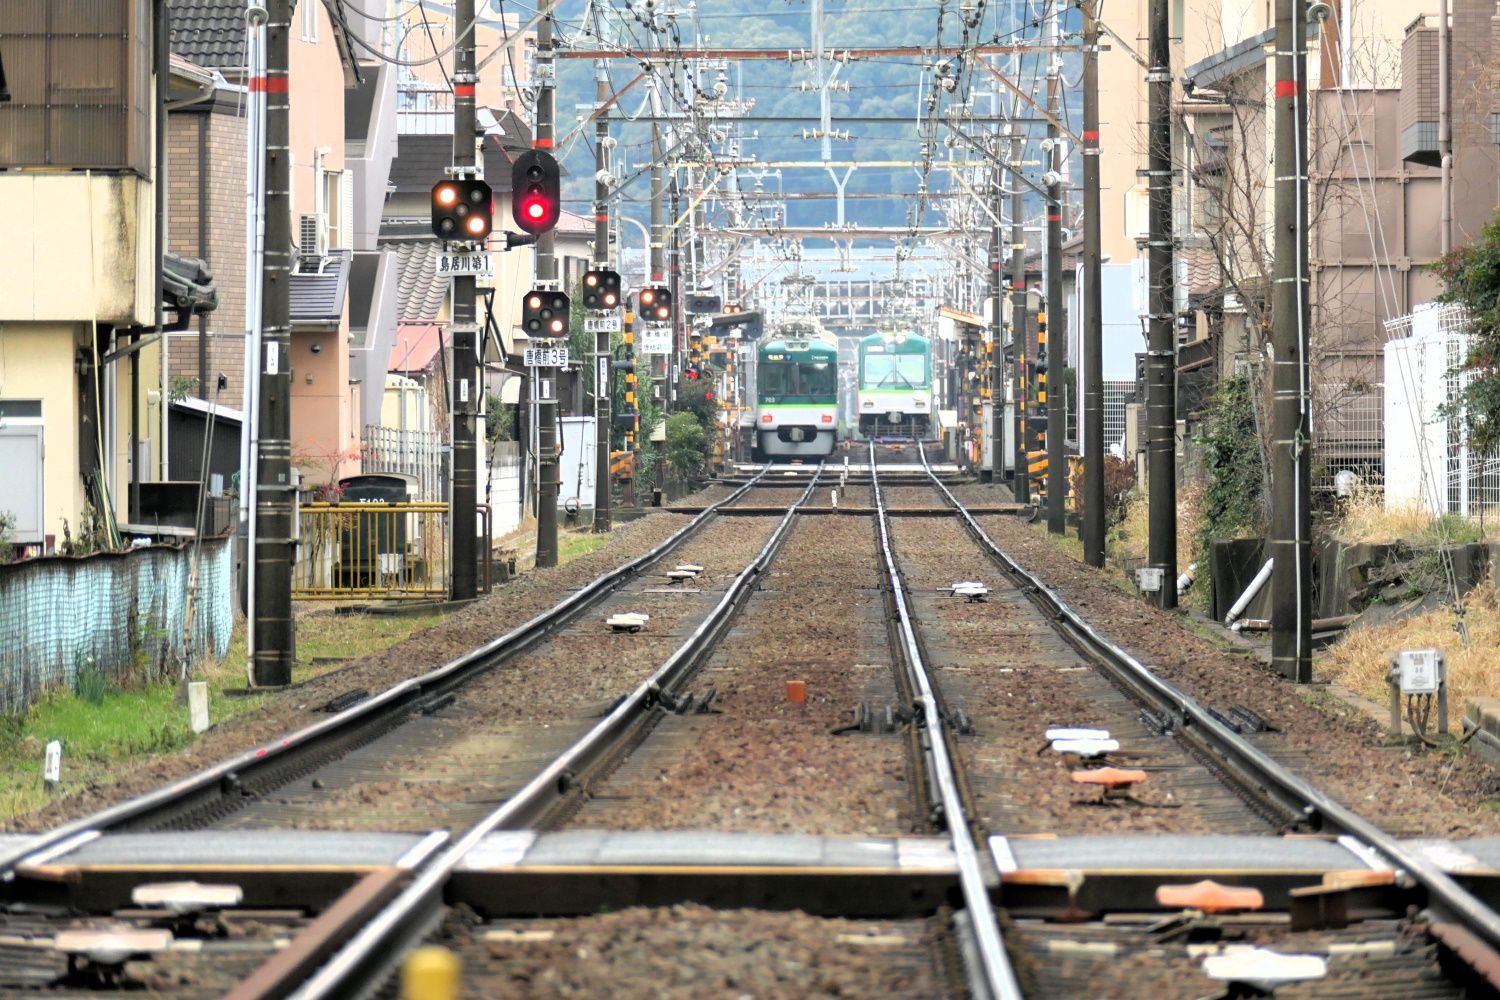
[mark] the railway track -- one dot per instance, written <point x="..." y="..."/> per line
<point x="881" y="835"/>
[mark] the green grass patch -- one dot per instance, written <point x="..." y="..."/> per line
<point x="106" y="729"/>
<point x="572" y="544"/>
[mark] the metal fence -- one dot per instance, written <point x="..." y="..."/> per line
<point x="419" y="454"/>
<point x="122" y="614"/>
<point x="1427" y="434"/>
<point x="1348" y="435"/>
<point x="380" y="551"/>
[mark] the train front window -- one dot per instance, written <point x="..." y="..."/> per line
<point x="895" y="371"/>
<point x="797" y="381"/>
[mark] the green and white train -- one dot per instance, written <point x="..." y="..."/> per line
<point x="796" y="393"/>
<point x="895" y="388"/>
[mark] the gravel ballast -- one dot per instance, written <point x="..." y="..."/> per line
<point x="509" y="606"/>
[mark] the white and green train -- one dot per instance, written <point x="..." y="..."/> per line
<point x="796" y="394"/>
<point x="895" y="388"/>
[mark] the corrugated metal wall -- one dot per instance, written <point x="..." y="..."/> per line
<point x="124" y="611"/>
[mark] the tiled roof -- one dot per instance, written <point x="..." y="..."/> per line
<point x="1201" y="269"/>
<point x="416" y="345"/>
<point x="420" y="290"/>
<point x="209" y="32"/>
<point x="574" y="224"/>
<point x="212" y="33"/>
<point x="421" y="159"/>
<point x="318" y="299"/>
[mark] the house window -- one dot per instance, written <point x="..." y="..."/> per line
<point x="309" y="11"/>
<point x="79" y="73"/>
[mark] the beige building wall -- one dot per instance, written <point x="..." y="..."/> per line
<point x="36" y="362"/>
<point x="75" y="247"/>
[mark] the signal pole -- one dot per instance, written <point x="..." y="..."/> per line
<point x="1161" y="346"/>
<point x="1057" y="330"/>
<point x="274" y="629"/>
<point x="1291" y="576"/>
<point x="1091" y="504"/>
<point x="465" y="392"/>
<point x="546" y="275"/>
<point x="1021" y="481"/>
<point x="603" y="500"/>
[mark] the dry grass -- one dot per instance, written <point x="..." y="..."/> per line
<point x="1360" y="660"/>
<point x="1365" y="518"/>
<point x="1128" y="540"/>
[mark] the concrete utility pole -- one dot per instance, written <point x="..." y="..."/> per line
<point x="1021" y="481"/>
<point x="546" y="276"/>
<point x="465" y="393"/>
<point x="997" y="330"/>
<point x="275" y="635"/>
<point x="658" y="265"/>
<point x="1091" y="504"/>
<point x="1057" y="330"/>
<point x="1161" y="346"/>
<point x="603" y="501"/>
<point x="1291" y="548"/>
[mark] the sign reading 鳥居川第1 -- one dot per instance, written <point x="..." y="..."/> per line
<point x="480" y="265"/>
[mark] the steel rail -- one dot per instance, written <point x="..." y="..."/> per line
<point x="1231" y="750"/>
<point x="996" y="980"/>
<point x="226" y="779"/>
<point x="364" y="961"/>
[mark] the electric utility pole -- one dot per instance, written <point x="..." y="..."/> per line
<point x="1091" y="504"/>
<point x="464" y="394"/>
<point x="997" y="330"/>
<point x="603" y="500"/>
<point x="275" y="635"/>
<point x="1291" y="576"/>
<point x="658" y="268"/>
<point x="1057" y="330"/>
<point x="1021" y="479"/>
<point x="546" y="276"/>
<point x="1161" y="346"/>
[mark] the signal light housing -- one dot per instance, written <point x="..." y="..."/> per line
<point x="601" y="289"/>
<point x="704" y="303"/>
<point x="462" y="209"/>
<point x="656" y="305"/>
<point x="545" y="314"/>
<point x="536" y="192"/>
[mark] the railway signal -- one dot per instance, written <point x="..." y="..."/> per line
<point x="601" y="289"/>
<point x="704" y="303"/>
<point x="536" y="184"/>
<point x="462" y="209"/>
<point x="656" y="304"/>
<point x="545" y="314"/>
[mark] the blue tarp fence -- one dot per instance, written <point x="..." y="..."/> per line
<point x="121" y="613"/>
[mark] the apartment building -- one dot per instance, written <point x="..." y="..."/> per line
<point x="82" y="372"/>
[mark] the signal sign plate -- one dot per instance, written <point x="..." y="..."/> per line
<point x="602" y="324"/>
<point x="546" y="357"/>
<point x="478" y="264"/>
<point x="655" y="340"/>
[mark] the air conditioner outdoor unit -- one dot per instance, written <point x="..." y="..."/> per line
<point x="312" y="240"/>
